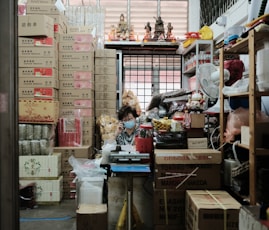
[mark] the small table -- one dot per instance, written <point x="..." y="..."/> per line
<point x="129" y="171"/>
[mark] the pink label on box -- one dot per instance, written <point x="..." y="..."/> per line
<point x="83" y="103"/>
<point x="82" y="75"/>
<point x="82" y="85"/>
<point x="43" y="72"/>
<point x="82" y="47"/>
<point x="82" y="38"/>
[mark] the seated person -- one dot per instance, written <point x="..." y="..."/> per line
<point x="127" y="128"/>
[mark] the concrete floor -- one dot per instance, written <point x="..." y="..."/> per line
<point x="54" y="217"/>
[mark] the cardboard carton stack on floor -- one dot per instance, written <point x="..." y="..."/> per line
<point x="38" y="107"/>
<point x="178" y="170"/>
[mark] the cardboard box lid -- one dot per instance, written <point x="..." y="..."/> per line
<point x="213" y="199"/>
<point x="187" y="156"/>
<point x="92" y="209"/>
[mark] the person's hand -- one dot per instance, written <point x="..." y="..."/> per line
<point x="120" y="128"/>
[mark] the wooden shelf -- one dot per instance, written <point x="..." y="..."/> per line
<point x="248" y="46"/>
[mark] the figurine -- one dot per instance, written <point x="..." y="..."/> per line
<point x="159" y="29"/>
<point x="148" y="31"/>
<point x="131" y="33"/>
<point x="169" y="34"/>
<point x="112" y="33"/>
<point x="122" y="28"/>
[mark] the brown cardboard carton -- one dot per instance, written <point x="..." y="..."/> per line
<point x="46" y="52"/>
<point x="38" y="72"/>
<point x="105" y="104"/>
<point x="105" y="87"/>
<point x="40" y="166"/>
<point x="169" y="207"/>
<point x="37" y="93"/>
<point x="92" y="217"/>
<point x="38" y="111"/>
<point x="42" y="9"/>
<point x="76" y="93"/>
<point x="47" y="190"/>
<point x="105" y="70"/>
<point x="105" y="95"/>
<point x="108" y="53"/>
<point x="76" y="75"/>
<point x="198" y="143"/>
<point x="49" y="62"/>
<point x="197" y="120"/>
<point x="77" y="56"/>
<point x="105" y="61"/>
<point x="75" y="47"/>
<point x="207" y="208"/>
<point x="36" y="42"/>
<point x="106" y="79"/>
<point x="27" y="82"/>
<point x="76" y="66"/>
<point x="35" y="25"/>
<point x="76" y="84"/>
<point x="76" y="103"/>
<point x="187" y="169"/>
<point x="76" y="38"/>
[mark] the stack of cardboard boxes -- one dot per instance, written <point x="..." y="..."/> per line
<point x="177" y="170"/>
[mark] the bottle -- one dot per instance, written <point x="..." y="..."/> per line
<point x="187" y="120"/>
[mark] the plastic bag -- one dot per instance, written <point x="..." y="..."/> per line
<point x="238" y="118"/>
<point x="83" y="167"/>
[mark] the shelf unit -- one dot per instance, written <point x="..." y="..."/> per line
<point x="196" y="47"/>
<point x="248" y="46"/>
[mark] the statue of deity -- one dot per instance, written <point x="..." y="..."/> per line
<point x="122" y="28"/>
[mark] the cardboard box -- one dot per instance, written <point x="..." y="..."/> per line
<point x="105" y="95"/>
<point x="38" y="52"/>
<point x="40" y="166"/>
<point x="105" y="87"/>
<point x="169" y="207"/>
<point x="76" y="94"/>
<point x="197" y="120"/>
<point x="105" y="104"/>
<point x="48" y="9"/>
<point x="49" y="62"/>
<point x="38" y="111"/>
<point x="36" y="42"/>
<point x="75" y="47"/>
<point x="35" y="25"/>
<point x="109" y="53"/>
<point x="47" y="190"/>
<point x="76" y="38"/>
<point x="92" y="217"/>
<point x="205" y="208"/>
<point x="43" y="2"/>
<point x="77" y="56"/>
<point x="106" y="79"/>
<point x="39" y="82"/>
<point x="76" y="112"/>
<point x="100" y="61"/>
<point x="76" y="75"/>
<point x="76" y="84"/>
<point x="99" y="112"/>
<point x="84" y="151"/>
<point x="76" y="66"/>
<point x="105" y="70"/>
<point x="197" y="143"/>
<point x="38" y="72"/>
<point x="187" y="169"/>
<point x="79" y="29"/>
<point x="39" y="93"/>
<point x="261" y="134"/>
<point x="76" y="103"/>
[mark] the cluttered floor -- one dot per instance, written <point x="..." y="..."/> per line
<point x="57" y="216"/>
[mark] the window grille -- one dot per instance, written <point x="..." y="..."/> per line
<point x="148" y="75"/>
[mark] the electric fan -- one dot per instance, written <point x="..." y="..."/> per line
<point x="209" y="79"/>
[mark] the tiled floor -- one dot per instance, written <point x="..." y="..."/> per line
<point x="50" y="217"/>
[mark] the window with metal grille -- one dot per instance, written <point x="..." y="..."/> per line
<point x="148" y="75"/>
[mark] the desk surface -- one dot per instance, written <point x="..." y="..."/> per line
<point x="130" y="168"/>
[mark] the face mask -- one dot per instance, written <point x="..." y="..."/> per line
<point x="129" y="124"/>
